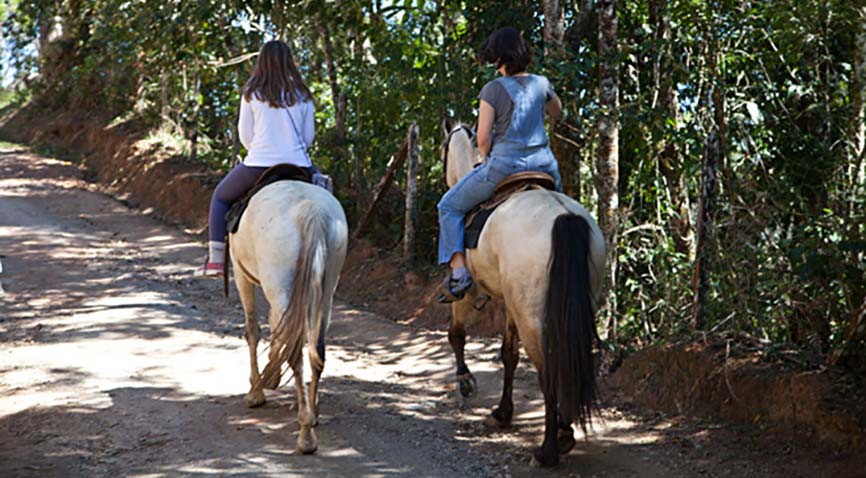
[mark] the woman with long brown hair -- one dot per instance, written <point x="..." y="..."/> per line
<point x="275" y="126"/>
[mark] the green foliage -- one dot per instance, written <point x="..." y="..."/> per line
<point x="790" y="261"/>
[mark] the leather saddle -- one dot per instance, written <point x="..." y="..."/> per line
<point x="280" y="172"/>
<point x="516" y="183"/>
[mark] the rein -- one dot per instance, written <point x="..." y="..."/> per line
<point x="447" y="143"/>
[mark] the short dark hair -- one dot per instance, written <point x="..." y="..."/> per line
<point x="506" y="47"/>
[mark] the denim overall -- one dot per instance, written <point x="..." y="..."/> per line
<point x="524" y="147"/>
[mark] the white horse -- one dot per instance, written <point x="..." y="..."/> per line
<point x="291" y="241"/>
<point x="542" y="254"/>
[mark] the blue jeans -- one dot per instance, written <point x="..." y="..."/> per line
<point x="479" y="186"/>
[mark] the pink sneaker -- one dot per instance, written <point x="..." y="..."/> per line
<point x="210" y="270"/>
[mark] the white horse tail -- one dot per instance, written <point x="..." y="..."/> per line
<point x="302" y="319"/>
<point x="569" y="332"/>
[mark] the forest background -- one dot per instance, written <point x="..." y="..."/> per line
<point x="720" y="143"/>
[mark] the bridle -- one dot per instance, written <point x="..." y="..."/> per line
<point x="447" y="143"/>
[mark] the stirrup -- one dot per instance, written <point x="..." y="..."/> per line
<point x="453" y="290"/>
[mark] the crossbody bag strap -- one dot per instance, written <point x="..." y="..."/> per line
<point x="298" y="135"/>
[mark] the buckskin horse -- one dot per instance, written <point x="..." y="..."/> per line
<point x="291" y="241"/>
<point x="542" y="254"/>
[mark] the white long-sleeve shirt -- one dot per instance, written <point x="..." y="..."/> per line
<point x="268" y="136"/>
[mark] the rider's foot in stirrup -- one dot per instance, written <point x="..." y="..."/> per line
<point x="210" y="270"/>
<point x="454" y="289"/>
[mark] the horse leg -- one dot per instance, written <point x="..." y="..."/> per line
<point x="555" y="434"/>
<point x="501" y="416"/>
<point x="548" y="453"/>
<point x="318" y="365"/>
<point x="314" y="384"/>
<point x="527" y="319"/>
<point x="279" y="302"/>
<point x="457" y="338"/>
<point x="565" y="441"/>
<point x="307" y="441"/>
<point x="246" y="290"/>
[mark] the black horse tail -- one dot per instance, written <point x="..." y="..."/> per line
<point x="569" y="330"/>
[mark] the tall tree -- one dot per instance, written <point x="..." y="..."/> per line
<point x="607" y="159"/>
<point x="667" y="117"/>
<point x="715" y="152"/>
<point x="857" y="141"/>
<point x="564" y="149"/>
<point x="584" y="25"/>
<point x="337" y="95"/>
<point x="554" y="24"/>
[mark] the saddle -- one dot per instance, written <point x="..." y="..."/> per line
<point x="516" y="183"/>
<point x="280" y="172"/>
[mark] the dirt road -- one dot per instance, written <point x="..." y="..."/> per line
<point x="113" y="362"/>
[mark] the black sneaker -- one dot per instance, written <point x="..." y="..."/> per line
<point x="454" y="289"/>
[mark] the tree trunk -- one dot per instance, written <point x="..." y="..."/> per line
<point x="857" y="142"/>
<point x="715" y="152"/>
<point x="562" y="146"/>
<point x="667" y="111"/>
<point x="337" y="96"/>
<point x="163" y="95"/>
<point x="607" y="160"/>
<point x="554" y="25"/>
<point x="359" y="53"/>
<point x="411" y="196"/>
<point x="235" y="51"/>
<point x="196" y="88"/>
<point x="584" y="26"/>
<point x="236" y="145"/>
<point x="705" y="230"/>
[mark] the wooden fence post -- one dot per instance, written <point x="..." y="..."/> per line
<point x="411" y="195"/>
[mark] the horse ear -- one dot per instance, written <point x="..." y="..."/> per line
<point x="447" y="125"/>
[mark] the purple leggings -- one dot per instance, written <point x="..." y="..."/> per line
<point x="233" y="187"/>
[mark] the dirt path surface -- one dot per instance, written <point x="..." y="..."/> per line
<point x="113" y="362"/>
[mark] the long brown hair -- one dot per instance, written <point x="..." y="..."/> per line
<point x="276" y="79"/>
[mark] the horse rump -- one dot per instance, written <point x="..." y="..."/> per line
<point x="569" y="329"/>
<point x="302" y="319"/>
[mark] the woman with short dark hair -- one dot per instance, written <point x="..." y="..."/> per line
<point x="510" y="136"/>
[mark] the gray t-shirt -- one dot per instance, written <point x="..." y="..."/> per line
<point x="497" y="96"/>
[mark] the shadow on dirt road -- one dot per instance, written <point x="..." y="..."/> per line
<point x="115" y="363"/>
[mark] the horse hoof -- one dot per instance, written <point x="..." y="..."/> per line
<point x="540" y="461"/>
<point x="307" y="449"/>
<point x="497" y="420"/>
<point x="494" y="422"/>
<point x="307" y="442"/>
<point x="468" y="385"/>
<point x="565" y="443"/>
<point x="255" y="399"/>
